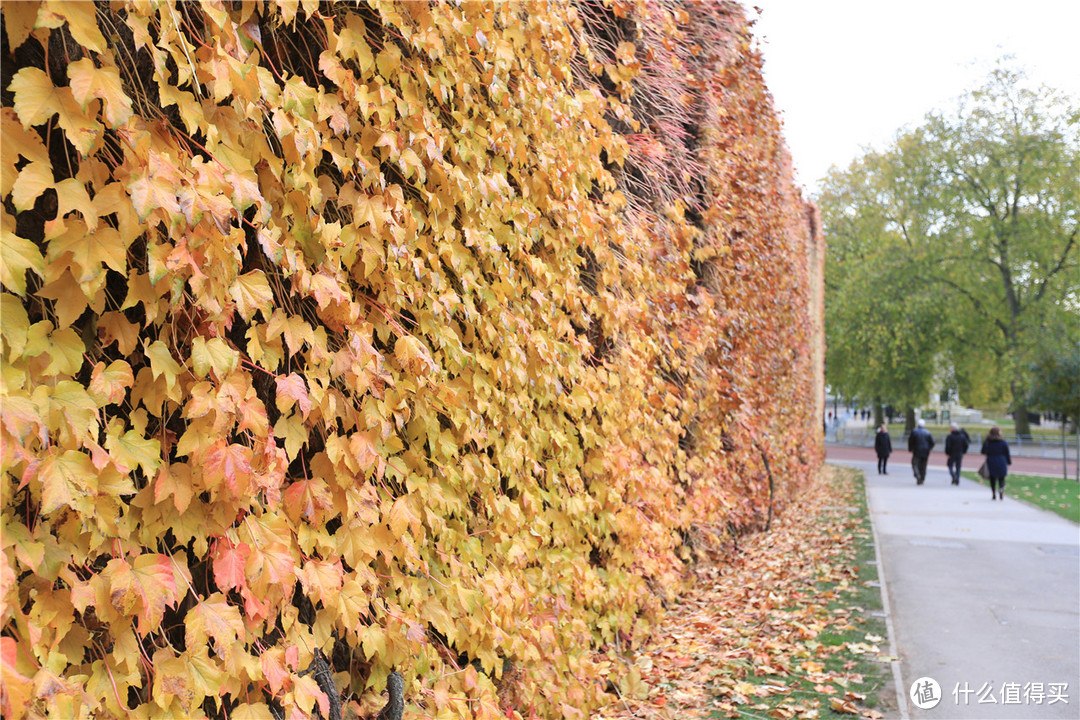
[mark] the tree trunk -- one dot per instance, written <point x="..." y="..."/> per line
<point x="1064" y="453"/>
<point x="879" y="413"/>
<point x="909" y="420"/>
<point x="1020" y="415"/>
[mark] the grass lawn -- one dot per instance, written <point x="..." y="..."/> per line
<point x="1050" y="493"/>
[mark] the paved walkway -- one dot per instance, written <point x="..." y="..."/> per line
<point x="983" y="596"/>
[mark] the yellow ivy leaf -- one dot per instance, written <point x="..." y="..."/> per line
<point x="82" y="22"/>
<point x="251" y="292"/>
<point x="213" y="618"/>
<point x="323" y="579"/>
<point x="132" y="449"/>
<point x="250" y="711"/>
<point x="18" y="141"/>
<point x="17" y="255"/>
<point x="66" y="479"/>
<point x="19" y="19"/>
<point x="153" y="193"/>
<point x="65" y="352"/>
<point x="162" y="363"/>
<point x="74" y="404"/>
<point x="213" y="354"/>
<point x="33" y="180"/>
<point x="413" y="356"/>
<point x="172" y="680"/>
<point x="306" y="693"/>
<point x="16" y="325"/>
<point x="353" y="45"/>
<point x="174" y="479"/>
<point x="373" y="641"/>
<point x="291" y="429"/>
<point x="71" y="195"/>
<point x="288" y="10"/>
<point x="115" y="327"/>
<point x="388" y="61"/>
<point x="69" y="295"/>
<point x="89" y="249"/>
<point x="87" y="81"/>
<point x="36" y="98"/>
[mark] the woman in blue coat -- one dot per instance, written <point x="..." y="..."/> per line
<point x="998" y="461"/>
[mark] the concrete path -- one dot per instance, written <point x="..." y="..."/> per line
<point x="983" y="596"/>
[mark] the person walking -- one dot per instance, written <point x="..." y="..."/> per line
<point x="956" y="444"/>
<point x="920" y="443"/>
<point x="883" y="447"/>
<point x="998" y="461"/>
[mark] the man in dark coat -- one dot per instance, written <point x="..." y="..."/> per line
<point x="956" y="444"/>
<point x="920" y="443"/>
<point x="883" y="447"/>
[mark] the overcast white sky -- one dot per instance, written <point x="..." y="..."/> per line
<point x="847" y="74"/>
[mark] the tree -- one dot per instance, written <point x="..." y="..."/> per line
<point x="881" y="329"/>
<point x="1056" y="388"/>
<point x="981" y="209"/>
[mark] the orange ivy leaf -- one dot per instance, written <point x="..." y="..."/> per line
<point x="114" y="327"/>
<point x="308" y="499"/>
<point x="276" y="674"/>
<point x="143" y="588"/>
<point x="174" y="479"/>
<point x="18" y="688"/>
<point x="108" y="385"/>
<point x="291" y="389"/>
<point x="229" y="563"/>
<point x="230" y="464"/>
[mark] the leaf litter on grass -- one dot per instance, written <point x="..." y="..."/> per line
<point x="771" y="628"/>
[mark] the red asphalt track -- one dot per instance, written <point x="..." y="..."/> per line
<point x="900" y="460"/>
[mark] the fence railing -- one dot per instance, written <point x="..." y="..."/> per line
<point x="1020" y="447"/>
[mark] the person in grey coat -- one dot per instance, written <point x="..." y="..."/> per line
<point x="998" y="461"/>
<point x="920" y="443"/>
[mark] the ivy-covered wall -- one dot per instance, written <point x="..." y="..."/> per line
<point x="391" y="336"/>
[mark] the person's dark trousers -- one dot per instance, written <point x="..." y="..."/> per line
<point x="954" y="469"/>
<point x="997" y="488"/>
<point x="881" y="462"/>
<point x="918" y="465"/>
